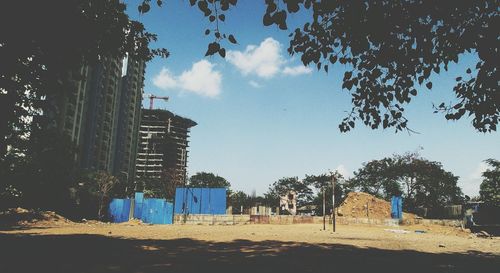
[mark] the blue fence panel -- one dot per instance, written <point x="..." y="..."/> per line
<point x="169" y="216"/>
<point x="119" y="210"/>
<point x="138" y="201"/>
<point x="157" y="211"/>
<point x="200" y="200"/>
<point x="397" y="207"/>
<point x="218" y="201"/>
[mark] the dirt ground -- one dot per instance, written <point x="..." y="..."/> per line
<point x="136" y="247"/>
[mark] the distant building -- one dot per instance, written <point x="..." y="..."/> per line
<point x="129" y="119"/>
<point x="101" y="114"/>
<point x="163" y="145"/>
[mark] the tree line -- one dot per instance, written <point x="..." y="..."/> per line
<point x="421" y="183"/>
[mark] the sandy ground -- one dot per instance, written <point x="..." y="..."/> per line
<point x="134" y="247"/>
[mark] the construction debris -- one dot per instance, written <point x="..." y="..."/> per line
<point x="23" y="217"/>
<point x="364" y="205"/>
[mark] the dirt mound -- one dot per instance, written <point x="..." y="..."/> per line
<point x="364" y="205"/>
<point x="21" y="217"/>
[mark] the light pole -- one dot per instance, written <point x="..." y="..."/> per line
<point x="333" y="201"/>
<point x="126" y="187"/>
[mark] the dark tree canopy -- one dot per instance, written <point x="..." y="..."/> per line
<point x="43" y="45"/>
<point x="286" y="184"/>
<point x="208" y="180"/>
<point x="490" y="187"/>
<point x="421" y="182"/>
<point x="389" y="48"/>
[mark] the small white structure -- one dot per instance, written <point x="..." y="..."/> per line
<point x="288" y="202"/>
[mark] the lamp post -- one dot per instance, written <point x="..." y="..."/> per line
<point x="333" y="201"/>
<point x="126" y="187"/>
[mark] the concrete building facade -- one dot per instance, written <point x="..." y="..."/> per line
<point x="101" y="115"/>
<point x="163" y="146"/>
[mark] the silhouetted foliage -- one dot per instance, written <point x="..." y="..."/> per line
<point x="284" y="185"/>
<point x="421" y="182"/>
<point x="388" y="47"/>
<point x="377" y="178"/>
<point x="43" y="46"/>
<point x="490" y="187"/>
<point x="239" y="200"/>
<point x="322" y="183"/>
<point x="208" y="180"/>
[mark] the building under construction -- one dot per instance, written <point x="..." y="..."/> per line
<point x="163" y="146"/>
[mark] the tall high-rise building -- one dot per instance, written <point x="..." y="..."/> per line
<point x="101" y="114"/>
<point x="99" y="141"/>
<point x="129" y="119"/>
<point x="163" y="146"/>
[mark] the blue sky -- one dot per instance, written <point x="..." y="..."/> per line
<point x="262" y="116"/>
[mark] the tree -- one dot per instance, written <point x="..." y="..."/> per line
<point x="377" y="178"/>
<point x="96" y="188"/>
<point x="323" y="183"/>
<point x="43" y="50"/>
<point x="284" y="185"/>
<point x="208" y="180"/>
<point x="388" y="47"/>
<point x="490" y="187"/>
<point x="421" y="182"/>
<point x="239" y="200"/>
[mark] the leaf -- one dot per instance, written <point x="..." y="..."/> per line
<point x="429" y="85"/>
<point x="469" y="71"/>
<point x="232" y="39"/>
<point x="333" y="59"/>
<point x="222" y="17"/>
<point x="458" y="79"/>
<point x="207" y="31"/>
<point x="212" y="49"/>
<point x="222" y="52"/>
<point x="211" y="18"/>
<point x="192" y="2"/>
<point x="326" y="68"/>
<point x="267" y="20"/>
<point x="159" y="3"/>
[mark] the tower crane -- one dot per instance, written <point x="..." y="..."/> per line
<point x="152" y="97"/>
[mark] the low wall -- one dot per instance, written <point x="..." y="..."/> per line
<point x="441" y="222"/>
<point x="210" y="219"/>
<point x="227" y="219"/>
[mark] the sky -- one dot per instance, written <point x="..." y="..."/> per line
<point x="263" y="116"/>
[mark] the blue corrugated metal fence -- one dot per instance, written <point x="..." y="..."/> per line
<point x="397" y="207"/>
<point x="119" y="210"/>
<point x="148" y="210"/>
<point x="200" y="201"/>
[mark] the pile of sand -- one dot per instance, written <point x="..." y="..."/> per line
<point x="21" y="216"/>
<point x="364" y="205"/>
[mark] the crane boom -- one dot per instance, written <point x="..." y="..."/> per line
<point x="153" y="97"/>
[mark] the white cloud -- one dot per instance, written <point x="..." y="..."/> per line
<point x="264" y="60"/>
<point x="297" y="70"/>
<point x="343" y="171"/>
<point x="255" y="84"/>
<point x="201" y="79"/>
<point x="165" y="79"/>
<point x="470" y="184"/>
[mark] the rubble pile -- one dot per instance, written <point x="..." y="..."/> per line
<point x="364" y="205"/>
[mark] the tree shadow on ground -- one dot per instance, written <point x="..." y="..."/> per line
<point x="97" y="253"/>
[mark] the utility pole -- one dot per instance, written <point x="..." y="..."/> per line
<point x="333" y="201"/>
<point x="324" y="212"/>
